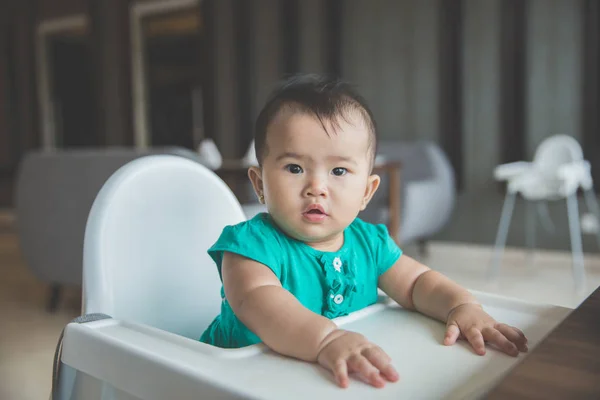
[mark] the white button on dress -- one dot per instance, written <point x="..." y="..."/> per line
<point x="337" y="264"/>
<point x="338" y="299"/>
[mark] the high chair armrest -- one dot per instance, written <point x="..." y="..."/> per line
<point x="148" y="363"/>
<point x="576" y="170"/>
<point x="574" y="175"/>
<point x="509" y="171"/>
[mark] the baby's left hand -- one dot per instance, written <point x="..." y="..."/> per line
<point x="470" y="322"/>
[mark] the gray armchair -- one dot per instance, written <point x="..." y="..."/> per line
<point x="428" y="192"/>
<point x="54" y="194"/>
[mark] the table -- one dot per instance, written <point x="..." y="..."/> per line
<point x="231" y="171"/>
<point x="566" y="365"/>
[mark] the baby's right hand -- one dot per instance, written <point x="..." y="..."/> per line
<point x="343" y="352"/>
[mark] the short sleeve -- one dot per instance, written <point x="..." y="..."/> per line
<point x="387" y="251"/>
<point x="254" y="239"/>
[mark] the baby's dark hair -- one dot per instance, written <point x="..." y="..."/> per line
<point x="328" y="99"/>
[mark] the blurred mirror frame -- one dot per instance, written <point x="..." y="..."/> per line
<point x="171" y="77"/>
<point x="62" y="42"/>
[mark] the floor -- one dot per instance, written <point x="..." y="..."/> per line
<point x="28" y="333"/>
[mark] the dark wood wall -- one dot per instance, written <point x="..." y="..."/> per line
<point x="50" y="9"/>
<point x="450" y="83"/>
<point x="512" y="80"/>
<point x="110" y="49"/>
<point x="5" y="111"/>
<point x="19" y="122"/>
<point x="591" y="86"/>
<point x="18" y="126"/>
<point x="235" y="82"/>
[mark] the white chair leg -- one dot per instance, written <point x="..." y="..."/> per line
<point x="544" y="213"/>
<point x="592" y="205"/>
<point x="530" y="230"/>
<point x="576" y="245"/>
<point x="506" y="216"/>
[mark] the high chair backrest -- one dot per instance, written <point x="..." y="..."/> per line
<point x="145" y="244"/>
<point x="554" y="152"/>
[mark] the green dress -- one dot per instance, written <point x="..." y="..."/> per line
<point x="332" y="284"/>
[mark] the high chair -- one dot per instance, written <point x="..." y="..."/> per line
<point x="557" y="172"/>
<point x="146" y="268"/>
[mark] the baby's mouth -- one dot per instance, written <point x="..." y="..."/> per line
<point x="315" y="211"/>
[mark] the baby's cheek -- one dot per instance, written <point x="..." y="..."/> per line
<point x="358" y="190"/>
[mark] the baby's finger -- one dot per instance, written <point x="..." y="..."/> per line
<point x="496" y="338"/>
<point x="452" y="333"/>
<point x="381" y="361"/>
<point x="340" y="371"/>
<point x="514" y="335"/>
<point x="520" y="332"/>
<point x="361" y="365"/>
<point x="474" y="337"/>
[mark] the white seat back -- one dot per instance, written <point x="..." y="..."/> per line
<point x="554" y="152"/>
<point x="145" y="244"/>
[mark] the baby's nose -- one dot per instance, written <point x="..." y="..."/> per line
<point x="316" y="187"/>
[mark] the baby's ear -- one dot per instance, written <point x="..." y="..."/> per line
<point x="255" y="175"/>
<point x="372" y="186"/>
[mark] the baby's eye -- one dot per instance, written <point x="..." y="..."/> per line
<point x="294" y="168"/>
<point x="339" y="171"/>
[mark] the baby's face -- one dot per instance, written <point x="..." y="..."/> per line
<point x="315" y="184"/>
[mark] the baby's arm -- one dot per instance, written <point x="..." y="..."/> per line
<point x="415" y="286"/>
<point x="286" y="326"/>
<point x="271" y="312"/>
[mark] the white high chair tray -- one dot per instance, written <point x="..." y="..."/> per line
<point x="147" y="363"/>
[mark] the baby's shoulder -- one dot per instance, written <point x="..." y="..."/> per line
<point x="377" y="243"/>
<point x="371" y="233"/>
<point x="255" y="239"/>
<point x="258" y="228"/>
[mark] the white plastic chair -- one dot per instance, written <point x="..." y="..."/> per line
<point x="253" y="208"/>
<point x="558" y="170"/>
<point x="249" y="158"/>
<point x="145" y="246"/>
<point x="210" y="154"/>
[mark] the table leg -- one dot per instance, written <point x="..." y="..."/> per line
<point x="394" y="203"/>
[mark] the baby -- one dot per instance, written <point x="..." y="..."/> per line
<point x="288" y="272"/>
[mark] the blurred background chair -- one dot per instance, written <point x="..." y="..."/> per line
<point x="54" y="193"/>
<point x="428" y="191"/>
<point x="249" y="158"/>
<point x="253" y="207"/>
<point x="209" y="154"/>
<point x="557" y="172"/>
